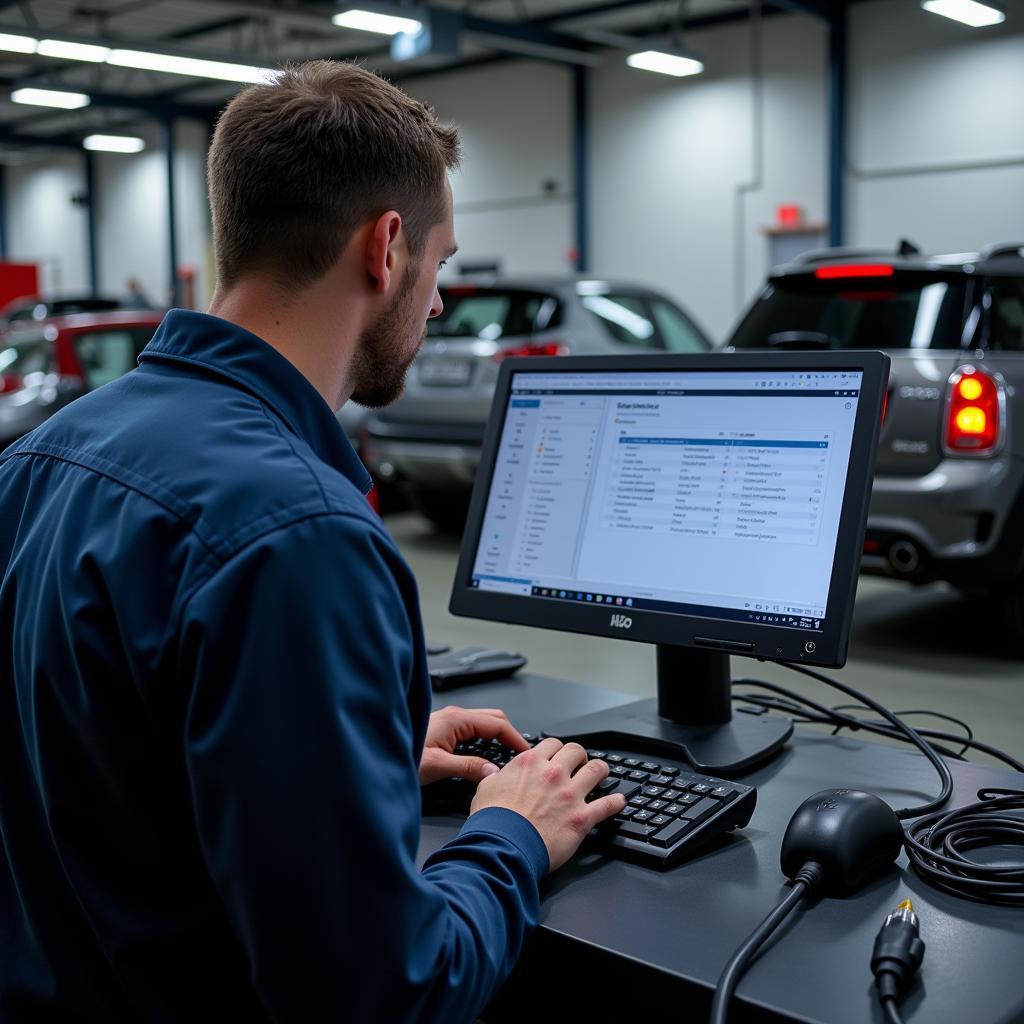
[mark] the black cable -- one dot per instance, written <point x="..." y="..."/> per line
<point x="834" y="717"/>
<point x="805" y="882"/>
<point x="918" y="711"/>
<point x="891" y="1011"/>
<point x="936" y="846"/>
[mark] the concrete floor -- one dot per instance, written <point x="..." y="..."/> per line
<point x="910" y="648"/>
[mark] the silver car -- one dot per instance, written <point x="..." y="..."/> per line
<point x="429" y="441"/>
<point x="948" y="496"/>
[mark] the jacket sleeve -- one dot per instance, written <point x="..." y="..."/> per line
<point x="300" y="752"/>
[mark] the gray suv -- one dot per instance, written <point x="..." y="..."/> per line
<point x="429" y="441"/>
<point x="948" y="497"/>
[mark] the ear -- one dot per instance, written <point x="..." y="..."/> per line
<point x="381" y="250"/>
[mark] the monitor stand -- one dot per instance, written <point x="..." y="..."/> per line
<point x="691" y="720"/>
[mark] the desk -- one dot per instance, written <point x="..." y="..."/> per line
<point x="620" y="942"/>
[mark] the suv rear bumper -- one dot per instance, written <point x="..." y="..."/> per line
<point x="961" y="522"/>
<point x="438" y="457"/>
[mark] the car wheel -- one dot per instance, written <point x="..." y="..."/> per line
<point x="447" y="510"/>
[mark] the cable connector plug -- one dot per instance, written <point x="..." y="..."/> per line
<point x="898" y="953"/>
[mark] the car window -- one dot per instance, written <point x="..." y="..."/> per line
<point x="910" y="309"/>
<point x="678" y="333"/>
<point x="493" y="313"/>
<point x="1007" y="331"/>
<point x="625" y="317"/>
<point x="105" y="355"/>
<point x="31" y="355"/>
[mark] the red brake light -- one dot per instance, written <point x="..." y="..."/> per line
<point x="10" y="382"/>
<point x="547" y="348"/>
<point x="972" y="418"/>
<point x="854" y="270"/>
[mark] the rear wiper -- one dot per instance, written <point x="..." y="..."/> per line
<point x="802" y="340"/>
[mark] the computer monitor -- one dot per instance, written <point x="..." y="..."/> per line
<point x="713" y="505"/>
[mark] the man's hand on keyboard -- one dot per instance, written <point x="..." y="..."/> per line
<point x="548" y="785"/>
<point x="450" y="726"/>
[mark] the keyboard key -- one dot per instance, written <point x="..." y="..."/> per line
<point x="657" y="805"/>
<point x="724" y="793"/>
<point x="650" y="766"/>
<point x="670" y="833"/>
<point x="596" y="755"/>
<point x="619" y="770"/>
<point x="699" y="811"/>
<point x="660" y="780"/>
<point x="628" y="789"/>
<point x="672" y="794"/>
<point x="603" y="788"/>
<point x="632" y="762"/>
<point x="615" y="759"/>
<point x="639" y="776"/>
<point x="700" y="787"/>
<point x="653" y="790"/>
<point x="625" y="813"/>
<point x="688" y="799"/>
<point x="660" y="819"/>
<point x="674" y="810"/>
<point x="639" y="801"/>
<point x="669" y="770"/>
<point x="631" y="830"/>
<point x="643" y="815"/>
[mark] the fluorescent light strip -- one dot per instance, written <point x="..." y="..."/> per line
<point x="969" y="12"/>
<point x="665" y="63"/>
<point x="114" y="143"/>
<point x="17" y="44"/>
<point x="50" y="98"/>
<point x="371" y="21"/>
<point x="63" y="50"/>
<point x="194" y="67"/>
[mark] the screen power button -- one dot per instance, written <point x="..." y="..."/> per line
<point x="810" y="647"/>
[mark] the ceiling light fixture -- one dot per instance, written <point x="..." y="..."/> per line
<point x="195" y="67"/>
<point x="114" y="143"/>
<point x="17" y="44"/>
<point x="675" y="64"/>
<point x="376" y="21"/>
<point x="145" y="60"/>
<point x="968" y="12"/>
<point x="50" y="98"/>
<point x="64" y="50"/>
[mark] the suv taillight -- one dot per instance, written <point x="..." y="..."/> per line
<point x="10" y="382"/>
<point x="547" y="348"/>
<point x="973" y="413"/>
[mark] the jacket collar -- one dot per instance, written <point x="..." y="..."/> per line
<point x="247" y="361"/>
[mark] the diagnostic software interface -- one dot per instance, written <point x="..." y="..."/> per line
<point x="710" y="493"/>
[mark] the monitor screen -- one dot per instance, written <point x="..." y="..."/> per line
<point x="701" y="498"/>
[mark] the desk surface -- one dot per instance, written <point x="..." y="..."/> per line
<point x="645" y="941"/>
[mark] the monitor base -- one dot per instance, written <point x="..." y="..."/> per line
<point x="727" y="748"/>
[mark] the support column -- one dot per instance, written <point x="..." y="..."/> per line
<point x="172" y="217"/>
<point x="837" y="67"/>
<point x="581" y="139"/>
<point x="89" y="158"/>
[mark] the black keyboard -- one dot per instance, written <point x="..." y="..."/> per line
<point x="670" y="809"/>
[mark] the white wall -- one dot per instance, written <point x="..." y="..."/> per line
<point x="516" y="126"/>
<point x="925" y="93"/>
<point x="45" y="226"/>
<point x="668" y="157"/>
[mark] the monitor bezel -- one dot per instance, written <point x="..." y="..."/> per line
<point x="774" y="643"/>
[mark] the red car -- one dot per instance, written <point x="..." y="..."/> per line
<point x="46" y="364"/>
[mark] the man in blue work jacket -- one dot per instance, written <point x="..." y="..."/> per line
<point x="214" y="704"/>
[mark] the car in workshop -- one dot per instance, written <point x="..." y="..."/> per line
<point x="34" y="308"/>
<point x="948" y="496"/>
<point x="429" y="441"/>
<point x="45" y="365"/>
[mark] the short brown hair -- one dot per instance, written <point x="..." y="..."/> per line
<point x="297" y="164"/>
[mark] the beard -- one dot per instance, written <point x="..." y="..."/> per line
<point x="384" y="353"/>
